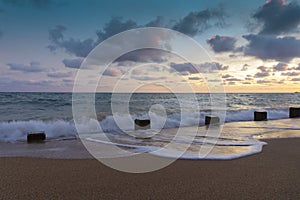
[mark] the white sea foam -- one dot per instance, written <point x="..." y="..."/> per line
<point x="230" y="145"/>
<point x="17" y="130"/>
<point x="251" y="146"/>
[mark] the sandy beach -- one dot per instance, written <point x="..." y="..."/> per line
<point x="272" y="174"/>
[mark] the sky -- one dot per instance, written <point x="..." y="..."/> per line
<point x="254" y="46"/>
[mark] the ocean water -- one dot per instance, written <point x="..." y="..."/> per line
<point x="52" y="112"/>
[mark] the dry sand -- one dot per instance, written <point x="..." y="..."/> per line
<point x="272" y="174"/>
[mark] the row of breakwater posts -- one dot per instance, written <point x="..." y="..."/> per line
<point x="144" y="124"/>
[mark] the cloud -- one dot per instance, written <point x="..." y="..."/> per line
<point x="149" y="78"/>
<point x="268" y="47"/>
<point x="222" y="43"/>
<point x="231" y="83"/>
<point x="112" y="71"/>
<point x="245" y="67"/>
<point x="198" y="68"/>
<point x="261" y="74"/>
<point x="73" y="63"/>
<point x="32" y="67"/>
<point x="280" y="67"/>
<point x="158" y="22"/>
<point x="192" y="24"/>
<point x="194" y="78"/>
<point x="212" y="66"/>
<point x="298" y="68"/>
<point x="144" y="55"/>
<point x="263" y="81"/>
<point x="227" y="76"/>
<point x="247" y="83"/>
<point x="263" y="69"/>
<point x="59" y="74"/>
<point x="56" y="34"/>
<point x="79" y="48"/>
<point x="296" y="79"/>
<point x="82" y="47"/>
<point x="291" y="74"/>
<point x="197" y="22"/>
<point x="233" y="79"/>
<point x="278" y="16"/>
<point x="114" y="26"/>
<point x="184" y="67"/>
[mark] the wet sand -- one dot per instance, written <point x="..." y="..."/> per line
<point x="272" y="174"/>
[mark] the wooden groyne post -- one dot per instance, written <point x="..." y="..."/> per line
<point x="36" y="137"/>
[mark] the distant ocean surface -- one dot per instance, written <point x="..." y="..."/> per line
<point x="52" y="112"/>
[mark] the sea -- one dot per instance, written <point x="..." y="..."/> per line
<point x="22" y="113"/>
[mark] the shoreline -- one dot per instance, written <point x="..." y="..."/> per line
<point x="272" y="174"/>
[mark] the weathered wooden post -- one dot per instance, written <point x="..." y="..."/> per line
<point x="36" y="137"/>
<point x="141" y="124"/>
<point x="260" y="116"/>
<point x="294" y="112"/>
<point x="210" y="119"/>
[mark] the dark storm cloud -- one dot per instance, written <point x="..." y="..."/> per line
<point x="272" y="47"/>
<point x="73" y="63"/>
<point x="197" y="22"/>
<point x="32" y="67"/>
<point x="222" y="43"/>
<point x="278" y="16"/>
